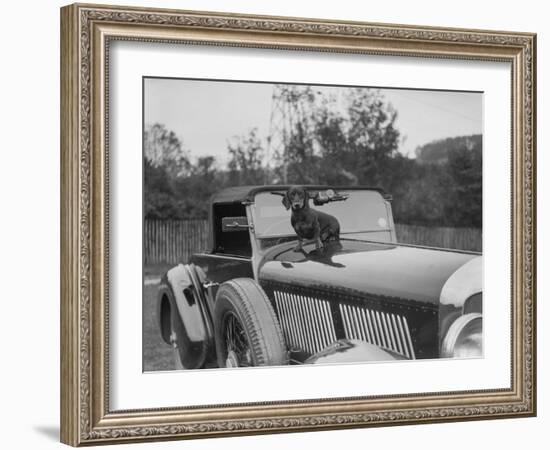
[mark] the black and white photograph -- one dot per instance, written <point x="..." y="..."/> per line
<point x="289" y="224"/>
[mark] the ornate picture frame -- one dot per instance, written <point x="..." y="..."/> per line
<point x="86" y="34"/>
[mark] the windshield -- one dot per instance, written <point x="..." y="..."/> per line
<point x="363" y="212"/>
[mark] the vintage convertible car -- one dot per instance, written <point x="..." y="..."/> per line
<point x="251" y="299"/>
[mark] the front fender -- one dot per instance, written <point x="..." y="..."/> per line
<point x="461" y="293"/>
<point x="188" y="317"/>
<point x="465" y="282"/>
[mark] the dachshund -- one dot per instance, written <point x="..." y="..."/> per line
<point x="310" y="225"/>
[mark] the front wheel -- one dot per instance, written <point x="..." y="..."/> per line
<point x="247" y="330"/>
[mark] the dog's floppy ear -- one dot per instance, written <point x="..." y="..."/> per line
<point x="286" y="201"/>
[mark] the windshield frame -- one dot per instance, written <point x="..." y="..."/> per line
<point x="357" y="234"/>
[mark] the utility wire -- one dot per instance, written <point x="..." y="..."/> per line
<point x="431" y="105"/>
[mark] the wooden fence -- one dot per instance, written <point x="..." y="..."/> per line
<point x="443" y="237"/>
<point x="174" y="241"/>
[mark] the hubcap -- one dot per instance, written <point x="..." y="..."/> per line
<point x="232" y="360"/>
<point x="174" y="339"/>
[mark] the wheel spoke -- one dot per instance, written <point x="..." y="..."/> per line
<point x="229" y="332"/>
<point x="236" y="341"/>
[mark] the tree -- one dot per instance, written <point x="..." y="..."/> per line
<point x="465" y="170"/>
<point x="357" y="138"/>
<point x="373" y="138"/>
<point x="420" y="197"/>
<point x="345" y="139"/>
<point x="437" y="152"/>
<point x="164" y="149"/>
<point x="246" y="163"/>
<point x="295" y="163"/>
<point x="444" y="186"/>
<point x="193" y="192"/>
<point x="175" y="186"/>
<point x="158" y="193"/>
<point x="337" y="166"/>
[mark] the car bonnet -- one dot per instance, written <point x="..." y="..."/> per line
<point x="365" y="268"/>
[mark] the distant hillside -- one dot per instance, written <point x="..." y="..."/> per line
<point x="437" y="152"/>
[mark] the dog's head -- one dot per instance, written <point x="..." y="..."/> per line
<point x="296" y="198"/>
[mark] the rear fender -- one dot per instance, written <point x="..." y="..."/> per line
<point x="182" y="308"/>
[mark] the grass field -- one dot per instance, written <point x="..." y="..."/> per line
<point x="157" y="355"/>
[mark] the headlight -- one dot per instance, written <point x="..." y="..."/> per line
<point x="464" y="338"/>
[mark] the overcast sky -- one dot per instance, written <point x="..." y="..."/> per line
<point x="205" y="114"/>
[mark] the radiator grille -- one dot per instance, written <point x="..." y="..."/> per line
<point x="308" y="325"/>
<point x="306" y="322"/>
<point x="388" y="331"/>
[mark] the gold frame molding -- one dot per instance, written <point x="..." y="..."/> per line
<point x="86" y="31"/>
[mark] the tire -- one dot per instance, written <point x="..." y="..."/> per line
<point x="247" y="330"/>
